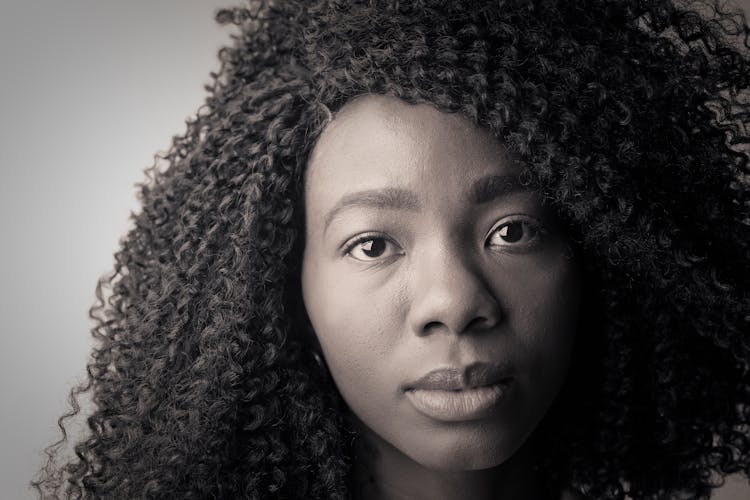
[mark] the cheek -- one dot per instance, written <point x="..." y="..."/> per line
<point x="541" y="297"/>
<point x="358" y="335"/>
<point x="557" y="309"/>
<point x="356" y="328"/>
<point x="544" y="315"/>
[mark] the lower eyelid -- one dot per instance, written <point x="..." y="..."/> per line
<point x="535" y="227"/>
<point x="350" y="247"/>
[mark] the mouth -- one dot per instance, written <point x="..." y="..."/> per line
<point x="471" y="376"/>
<point x="459" y="406"/>
<point x="459" y="394"/>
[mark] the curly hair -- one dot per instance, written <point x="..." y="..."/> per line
<point x="631" y="119"/>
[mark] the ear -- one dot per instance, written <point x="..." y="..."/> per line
<point x="307" y="333"/>
<point x="302" y="320"/>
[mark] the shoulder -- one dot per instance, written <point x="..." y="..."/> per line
<point x="569" y="494"/>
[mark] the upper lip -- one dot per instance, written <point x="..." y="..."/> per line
<point x="460" y="378"/>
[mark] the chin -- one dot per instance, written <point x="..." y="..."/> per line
<point x="469" y="462"/>
<point x="461" y="452"/>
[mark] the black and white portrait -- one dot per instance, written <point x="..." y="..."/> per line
<point x="375" y="249"/>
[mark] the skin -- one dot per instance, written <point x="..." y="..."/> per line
<point x="396" y="287"/>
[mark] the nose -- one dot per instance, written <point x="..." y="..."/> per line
<point x="450" y="293"/>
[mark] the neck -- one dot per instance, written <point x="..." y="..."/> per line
<point x="382" y="472"/>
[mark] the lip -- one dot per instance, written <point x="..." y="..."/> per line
<point x="460" y="394"/>
<point x="460" y="406"/>
<point x="471" y="376"/>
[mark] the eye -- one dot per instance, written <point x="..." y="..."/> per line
<point x="370" y="248"/>
<point x="516" y="233"/>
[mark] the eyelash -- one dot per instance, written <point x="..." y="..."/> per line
<point x="533" y="226"/>
<point x="537" y="229"/>
<point x="351" y="245"/>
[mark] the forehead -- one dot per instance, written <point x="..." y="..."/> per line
<point x="377" y="141"/>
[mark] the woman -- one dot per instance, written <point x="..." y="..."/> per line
<point x="437" y="250"/>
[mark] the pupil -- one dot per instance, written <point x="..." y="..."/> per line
<point x="512" y="232"/>
<point x="374" y="248"/>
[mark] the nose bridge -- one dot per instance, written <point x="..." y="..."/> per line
<point x="449" y="293"/>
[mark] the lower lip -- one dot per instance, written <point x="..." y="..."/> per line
<point x="456" y="406"/>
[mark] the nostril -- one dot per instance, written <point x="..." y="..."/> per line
<point x="479" y="323"/>
<point x="454" y="304"/>
<point x="432" y="325"/>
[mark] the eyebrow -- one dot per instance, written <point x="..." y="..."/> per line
<point x="492" y="187"/>
<point x="482" y="191"/>
<point x="386" y="198"/>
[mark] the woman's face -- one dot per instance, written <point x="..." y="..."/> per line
<point x="443" y="297"/>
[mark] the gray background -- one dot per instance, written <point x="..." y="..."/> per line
<point x="90" y="90"/>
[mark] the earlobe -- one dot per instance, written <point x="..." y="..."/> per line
<point x="318" y="357"/>
<point x="310" y="335"/>
<point x="303" y="324"/>
<point x="307" y="334"/>
<point x="311" y="339"/>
